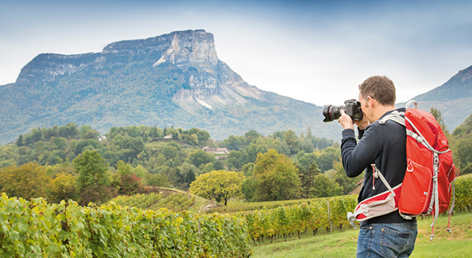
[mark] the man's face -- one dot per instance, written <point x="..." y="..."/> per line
<point x="366" y="109"/>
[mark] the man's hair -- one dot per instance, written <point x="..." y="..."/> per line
<point x="379" y="88"/>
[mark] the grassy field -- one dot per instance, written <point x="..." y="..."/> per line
<point x="343" y="244"/>
<point x="465" y="176"/>
<point x="200" y="202"/>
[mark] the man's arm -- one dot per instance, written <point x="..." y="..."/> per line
<point x="357" y="156"/>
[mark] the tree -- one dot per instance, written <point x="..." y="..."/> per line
<point x="220" y="185"/>
<point x="292" y="141"/>
<point x="251" y="135"/>
<point x="19" y="141"/>
<point x="308" y="178"/>
<point x="236" y="159"/>
<point x="201" y="157"/>
<point x="327" y="157"/>
<point x="63" y="187"/>
<point x="130" y="184"/>
<point x="277" y="178"/>
<point x="26" y="181"/>
<point x="437" y="114"/>
<point x="308" y="132"/>
<point x="91" y="169"/>
<point x="123" y="168"/>
<point x="156" y="180"/>
<point x="248" y="169"/>
<point x="249" y="188"/>
<point x="324" y="187"/>
<point x="233" y="142"/>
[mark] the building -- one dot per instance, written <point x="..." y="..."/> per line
<point x="215" y="150"/>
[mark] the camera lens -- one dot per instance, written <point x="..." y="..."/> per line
<point x="331" y="112"/>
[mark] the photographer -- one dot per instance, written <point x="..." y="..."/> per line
<point x="385" y="146"/>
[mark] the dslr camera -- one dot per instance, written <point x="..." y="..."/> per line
<point x="351" y="107"/>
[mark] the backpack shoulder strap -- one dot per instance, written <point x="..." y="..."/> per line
<point x="394" y="116"/>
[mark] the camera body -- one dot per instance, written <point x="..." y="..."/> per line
<point x="351" y="107"/>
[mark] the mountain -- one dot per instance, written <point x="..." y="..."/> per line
<point x="453" y="99"/>
<point x="174" y="79"/>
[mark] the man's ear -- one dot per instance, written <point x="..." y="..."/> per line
<point x="371" y="101"/>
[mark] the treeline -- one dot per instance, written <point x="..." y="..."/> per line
<point x="460" y="142"/>
<point x="72" y="162"/>
<point x="51" y="146"/>
<point x="281" y="166"/>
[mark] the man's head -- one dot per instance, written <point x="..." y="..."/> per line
<point x="377" y="95"/>
<point x="379" y="88"/>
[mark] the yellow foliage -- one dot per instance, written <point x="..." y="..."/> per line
<point x="218" y="184"/>
<point x="62" y="187"/>
<point x="26" y="181"/>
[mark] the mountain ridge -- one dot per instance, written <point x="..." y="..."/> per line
<point x="453" y="98"/>
<point x="173" y="79"/>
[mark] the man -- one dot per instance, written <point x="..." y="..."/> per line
<point x="385" y="146"/>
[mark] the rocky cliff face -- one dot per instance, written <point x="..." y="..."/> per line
<point x="173" y="79"/>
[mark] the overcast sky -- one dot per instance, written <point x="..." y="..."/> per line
<point x="315" y="51"/>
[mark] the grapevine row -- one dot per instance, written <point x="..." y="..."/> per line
<point x="37" y="229"/>
<point x="296" y="219"/>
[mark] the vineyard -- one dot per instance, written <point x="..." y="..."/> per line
<point x="154" y="201"/>
<point x="234" y="207"/>
<point x="299" y="219"/>
<point x="37" y="229"/>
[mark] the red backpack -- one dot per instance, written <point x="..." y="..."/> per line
<point x="428" y="183"/>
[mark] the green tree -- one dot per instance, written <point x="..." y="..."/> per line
<point x="308" y="132"/>
<point x="249" y="188"/>
<point x="91" y="169"/>
<point x="220" y="185"/>
<point x="307" y="178"/>
<point x="218" y="165"/>
<point x="248" y="169"/>
<point x="156" y="180"/>
<point x="251" y="135"/>
<point x="236" y="159"/>
<point x="201" y="157"/>
<point x="277" y="178"/>
<point x="123" y="168"/>
<point x="324" y="187"/>
<point x="461" y="146"/>
<point x="291" y="140"/>
<point x="327" y="157"/>
<point x="437" y="114"/>
<point x="233" y="143"/>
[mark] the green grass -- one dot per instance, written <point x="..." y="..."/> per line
<point x="343" y="244"/>
<point x="200" y="202"/>
<point x="465" y="176"/>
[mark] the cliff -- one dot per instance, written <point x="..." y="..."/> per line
<point x="173" y="79"/>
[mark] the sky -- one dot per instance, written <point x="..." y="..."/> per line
<point x="314" y="51"/>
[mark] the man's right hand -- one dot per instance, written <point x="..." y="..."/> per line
<point x="345" y="120"/>
<point x="362" y="124"/>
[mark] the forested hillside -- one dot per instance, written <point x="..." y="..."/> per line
<point x="129" y="160"/>
<point x="71" y="162"/>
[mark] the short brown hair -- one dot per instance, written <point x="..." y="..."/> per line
<point x="379" y="88"/>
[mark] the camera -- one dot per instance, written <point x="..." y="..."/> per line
<point x="351" y="107"/>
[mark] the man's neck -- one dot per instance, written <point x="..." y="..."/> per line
<point x="381" y="110"/>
